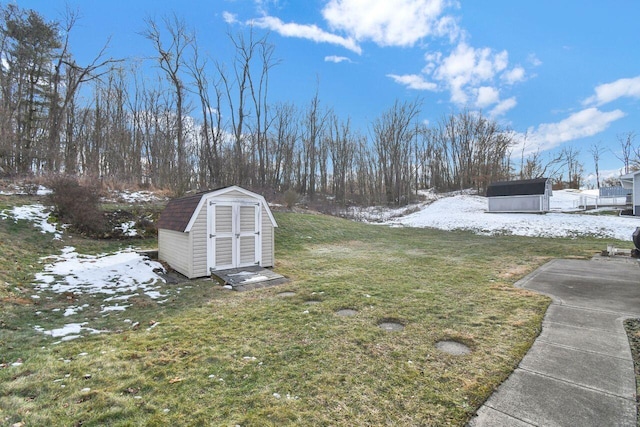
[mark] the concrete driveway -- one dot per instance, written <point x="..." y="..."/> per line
<point x="579" y="371"/>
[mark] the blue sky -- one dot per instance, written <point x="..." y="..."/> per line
<point x="563" y="73"/>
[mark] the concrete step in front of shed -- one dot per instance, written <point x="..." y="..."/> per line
<point x="249" y="278"/>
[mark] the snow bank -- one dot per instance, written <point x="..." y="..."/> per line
<point x="466" y="212"/>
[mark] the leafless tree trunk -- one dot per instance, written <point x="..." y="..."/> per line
<point x="596" y="151"/>
<point x="171" y="58"/>
<point x="342" y="145"/>
<point x="393" y="133"/>
<point x="626" y="145"/>
<point x="313" y="127"/>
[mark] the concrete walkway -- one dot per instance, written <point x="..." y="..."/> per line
<point x="579" y="371"/>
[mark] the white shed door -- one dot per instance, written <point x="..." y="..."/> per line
<point x="235" y="235"/>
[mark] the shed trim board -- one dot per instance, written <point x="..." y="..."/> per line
<point x="226" y="228"/>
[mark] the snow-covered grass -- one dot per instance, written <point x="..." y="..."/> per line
<point x="469" y="212"/>
<point x="37" y="213"/>
<point x="114" y="277"/>
<point x="133" y="196"/>
<point x="128" y="229"/>
<point x="15" y="189"/>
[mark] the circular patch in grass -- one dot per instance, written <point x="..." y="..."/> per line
<point x="390" y="325"/>
<point x="453" y="347"/>
<point x="347" y="312"/>
<point x="312" y="302"/>
<point x="286" y="294"/>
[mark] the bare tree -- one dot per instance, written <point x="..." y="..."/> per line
<point x="212" y="130"/>
<point x="171" y="58"/>
<point x="313" y="128"/>
<point x="537" y="167"/>
<point x="342" y="145"/>
<point x="626" y="141"/>
<point x="259" y="91"/>
<point x="285" y="133"/>
<point x="237" y="87"/>
<point x="574" y="166"/>
<point x="393" y="133"/>
<point x="596" y="151"/>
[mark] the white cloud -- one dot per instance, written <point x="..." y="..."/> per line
<point x="513" y="75"/>
<point x="473" y="76"/>
<point x="533" y="60"/>
<point x="414" y="81"/>
<point x="503" y="106"/>
<point x="609" y="92"/>
<point x="391" y="23"/>
<point x="309" y="32"/>
<point x="229" y="17"/>
<point x="336" y="59"/>
<point x="468" y="73"/>
<point x="487" y="95"/>
<point x="584" y="123"/>
<point x="468" y="65"/>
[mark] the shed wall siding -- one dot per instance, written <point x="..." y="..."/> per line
<point x="516" y="204"/>
<point x="199" y="244"/>
<point x="224" y="251"/>
<point x="173" y="247"/>
<point x="237" y="195"/>
<point x="268" y="258"/>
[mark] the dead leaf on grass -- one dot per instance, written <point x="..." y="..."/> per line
<point x="175" y="380"/>
<point x="17" y="301"/>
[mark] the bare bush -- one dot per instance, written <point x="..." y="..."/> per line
<point x="78" y="205"/>
<point x="291" y="197"/>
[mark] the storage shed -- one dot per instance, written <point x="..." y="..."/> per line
<point x="631" y="181"/>
<point x="216" y="230"/>
<point x="525" y="196"/>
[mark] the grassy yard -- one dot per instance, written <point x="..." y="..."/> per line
<point x="217" y="357"/>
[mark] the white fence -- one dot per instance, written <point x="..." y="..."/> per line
<point x="585" y="201"/>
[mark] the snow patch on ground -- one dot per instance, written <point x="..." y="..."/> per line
<point x="37" y="214"/>
<point x="68" y="332"/>
<point x="118" y="276"/>
<point x="18" y="190"/>
<point x="468" y="212"/>
<point x="133" y="196"/>
<point x="123" y="272"/>
<point x="128" y="229"/>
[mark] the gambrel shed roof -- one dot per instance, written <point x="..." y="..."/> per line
<point x="523" y="187"/>
<point x="179" y="213"/>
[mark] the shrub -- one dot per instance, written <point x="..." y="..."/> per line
<point x="291" y="197"/>
<point x="77" y="205"/>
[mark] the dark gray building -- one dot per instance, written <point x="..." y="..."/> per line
<point x="524" y="196"/>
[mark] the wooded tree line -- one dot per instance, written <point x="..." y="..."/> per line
<point x="197" y="122"/>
